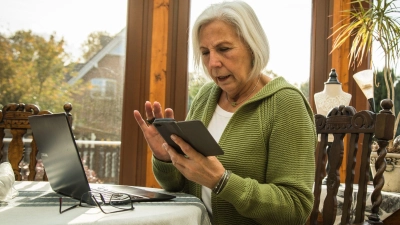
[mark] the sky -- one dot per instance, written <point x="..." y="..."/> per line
<point x="74" y="20"/>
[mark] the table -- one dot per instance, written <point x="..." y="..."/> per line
<point x="38" y="204"/>
<point x="390" y="202"/>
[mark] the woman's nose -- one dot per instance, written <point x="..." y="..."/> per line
<point x="214" y="60"/>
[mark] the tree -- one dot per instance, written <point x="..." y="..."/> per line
<point x="304" y="87"/>
<point x="32" y="71"/>
<point x="380" y="92"/>
<point x="196" y="81"/>
<point x="94" y="43"/>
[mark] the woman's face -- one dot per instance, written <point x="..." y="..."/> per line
<point x="226" y="57"/>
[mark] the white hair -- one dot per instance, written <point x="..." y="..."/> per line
<point x="243" y="18"/>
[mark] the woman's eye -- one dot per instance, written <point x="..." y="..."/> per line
<point x="205" y="53"/>
<point x="223" y="49"/>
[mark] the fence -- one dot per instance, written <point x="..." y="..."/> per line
<point x="100" y="160"/>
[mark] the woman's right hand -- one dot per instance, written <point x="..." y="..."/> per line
<point x="153" y="138"/>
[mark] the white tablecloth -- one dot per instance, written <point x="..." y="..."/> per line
<point x="390" y="202"/>
<point x="38" y="204"/>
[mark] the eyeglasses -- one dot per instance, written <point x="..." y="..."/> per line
<point x="118" y="202"/>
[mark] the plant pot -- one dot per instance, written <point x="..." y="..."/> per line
<point x="392" y="172"/>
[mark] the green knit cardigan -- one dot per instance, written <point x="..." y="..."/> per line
<point x="269" y="146"/>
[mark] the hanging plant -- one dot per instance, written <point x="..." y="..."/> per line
<point x="371" y="22"/>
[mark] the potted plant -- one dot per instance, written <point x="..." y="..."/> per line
<point x="375" y="22"/>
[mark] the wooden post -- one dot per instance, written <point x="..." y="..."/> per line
<point x="158" y="68"/>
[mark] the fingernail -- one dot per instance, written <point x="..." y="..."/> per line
<point x="173" y="137"/>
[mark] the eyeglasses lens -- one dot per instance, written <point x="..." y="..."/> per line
<point x="121" y="201"/>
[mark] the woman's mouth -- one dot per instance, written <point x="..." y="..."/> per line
<point x="223" y="78"/>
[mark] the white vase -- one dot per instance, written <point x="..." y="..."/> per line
<point x="392" y="172"/>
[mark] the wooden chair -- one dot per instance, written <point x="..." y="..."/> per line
<point x="362" y="127"/>
<point x="14" y="119"/>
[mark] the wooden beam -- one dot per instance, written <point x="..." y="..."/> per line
<point x="133" y="157"/>
<point x="177" y="66"/>
<point x="320" y="62"/>
<point x="158" y="68"/>
<point x="340" y="59"/>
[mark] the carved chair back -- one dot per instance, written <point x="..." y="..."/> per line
<point x="14" y="119"/>
<point x="362" y="129"/>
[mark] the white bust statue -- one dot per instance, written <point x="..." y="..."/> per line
<point x="331" y="96"/>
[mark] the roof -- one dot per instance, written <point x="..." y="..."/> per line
<point x="115" y="47"/>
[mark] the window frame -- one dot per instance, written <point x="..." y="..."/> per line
<point x="134" y="164"/>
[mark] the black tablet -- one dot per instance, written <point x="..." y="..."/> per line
<point x="193" y="132"/>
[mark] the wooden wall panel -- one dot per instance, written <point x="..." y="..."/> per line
<point x="340" y="59"/>
<point x="158" y="68"/>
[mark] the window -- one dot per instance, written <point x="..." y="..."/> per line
<point x="55" y="52"/>
<point x="103" y="88"/>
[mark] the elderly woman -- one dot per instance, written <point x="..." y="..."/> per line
<point x="265" y="127"/>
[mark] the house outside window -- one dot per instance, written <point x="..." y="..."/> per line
<point x="103" y="88"/>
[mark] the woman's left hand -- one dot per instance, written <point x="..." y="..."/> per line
<point x="205" y="171"/>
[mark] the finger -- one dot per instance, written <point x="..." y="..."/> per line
<point x="139" y="119"/>
<point x="157" y="110"/>
<point x="186" y="148"/>
<point x="169" y="113"/>
<point x="149" y="110"/>
<point x="176" y="158"/>
<point x="180" y="167"/>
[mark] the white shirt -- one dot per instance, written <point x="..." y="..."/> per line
<point x="216" y="127"/>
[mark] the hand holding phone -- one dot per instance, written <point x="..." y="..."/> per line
<point x="193" y="132"/>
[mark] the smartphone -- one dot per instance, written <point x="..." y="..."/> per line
<point x="193" y="132"/>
